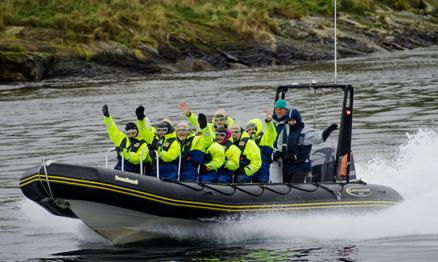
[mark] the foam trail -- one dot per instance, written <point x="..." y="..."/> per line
<point x="38" y="220"/>
<point x="412" y="171"/>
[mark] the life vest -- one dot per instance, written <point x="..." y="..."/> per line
<point x="227" y="145"/>
<point x="258" y="138"/>
<point x="222" y="170"/>
<point x="266" y="151"/>
<point x="295" y="146"/>
<point x="185" y="146"/>
<point x="165" y="145"/>
<point x="242" y="145"/>
<point x="281" y="134"/>
<point x="133" y="147"/>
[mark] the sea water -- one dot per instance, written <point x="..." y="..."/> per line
<point x="395" y="141"/>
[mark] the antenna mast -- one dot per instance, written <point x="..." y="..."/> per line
<point x="334" y="44"/>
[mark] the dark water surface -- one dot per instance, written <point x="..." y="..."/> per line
<point x="395" y="143"/>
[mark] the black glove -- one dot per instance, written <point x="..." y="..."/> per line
<point x="152" y="154"/>
<point x="277" y="155"/>
<point x="328" y="131"/>
<point x="290" y="158"/>
<point x="241" y="170"/>
<point x="203" y="169"/>
<point x="152" y="147"/>
<point x="139" y="112"/>
<point x="105" y="111"/>
<point x="202" y="120"/>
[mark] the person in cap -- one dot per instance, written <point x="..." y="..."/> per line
<point x="265" y="139"/>
<point x="162" y="144"/>
<point x="220" y="118"/>
<point x="187" y="170"/>
<point x="194" y="150"/>
<point x="129" y="146"/>
<point x="295" y="147"/>
<point x="214" y="158"/>
<point x="280" y="116"/>
<point x="280" y="110"/>
<point x="225" y="173"/>
<point x="250" y="157"/>
<point x="168" y="150"/>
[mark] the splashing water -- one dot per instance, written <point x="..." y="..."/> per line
<point x="411" y="171"/>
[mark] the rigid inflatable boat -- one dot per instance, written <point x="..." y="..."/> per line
<point x="126" y="207"/>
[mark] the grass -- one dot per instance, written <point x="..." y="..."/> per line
<point x="152" y="22"/>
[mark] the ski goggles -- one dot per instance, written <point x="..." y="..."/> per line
<point x="221" y="134"/>
<point x="162" y="130"/>
<point x="131" y="132"/>
<point x="235" y="131"/>
<point x="218" y="118"/>
<point x="182" y="130"/>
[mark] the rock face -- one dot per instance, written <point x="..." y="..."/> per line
<point x="310" y="39"/>
<point x="17" y="66"/>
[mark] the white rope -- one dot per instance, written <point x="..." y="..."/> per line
<point x="50" y="194"/>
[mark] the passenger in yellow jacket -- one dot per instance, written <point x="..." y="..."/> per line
<point x="145" y="129"/>
<point x="168" y="150"/>
<point x="161" y="140"/>
<point x="129" y="145"/>
<point x="193" y="150"/>
<point x="220" y="118"/>
<point x="250" y="157"/>
<point x="232" y="156"/>
<point x="207" y="152"/>
<point x="265" y="139"/>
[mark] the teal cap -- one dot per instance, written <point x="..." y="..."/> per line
<point x="280" y="104"/>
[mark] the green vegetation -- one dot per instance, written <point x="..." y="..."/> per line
<point x="151" y="22"/>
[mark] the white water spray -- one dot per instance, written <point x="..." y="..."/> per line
<point x="412" y="171"/>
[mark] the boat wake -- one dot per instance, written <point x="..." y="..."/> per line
<point x="411" y="170"/>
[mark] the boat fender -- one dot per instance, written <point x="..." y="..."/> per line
<point x="343" y="167"/>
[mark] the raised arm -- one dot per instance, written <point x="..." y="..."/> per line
<point x="270" y="131"/>
<point x="314" y="136"/>
<point x="114" y="132"/>
<point x="191" y="117"/>
<point x="145" y="130"/>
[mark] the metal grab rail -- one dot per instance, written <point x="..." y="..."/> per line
<point x="106" y="155"/>
<point x="141" y="160"/>
<point x="179" y="167"/>
<point x="158" y="163"/>
<point x="106" y="158"/>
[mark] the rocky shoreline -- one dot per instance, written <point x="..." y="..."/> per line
<point x="24" y="57"/>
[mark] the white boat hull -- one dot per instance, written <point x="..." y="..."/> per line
<point x="122" y="225"/>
